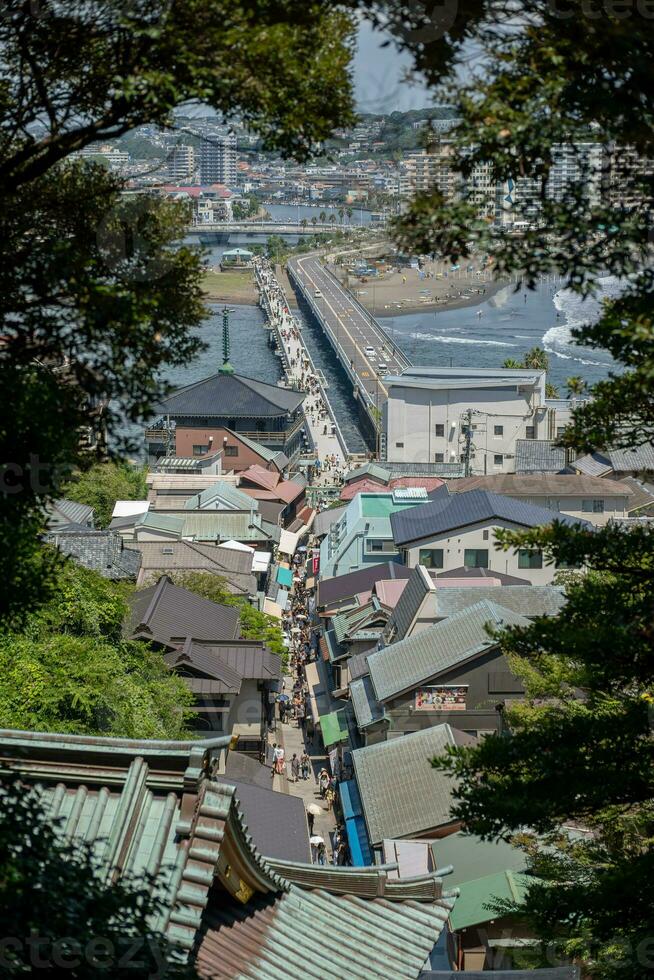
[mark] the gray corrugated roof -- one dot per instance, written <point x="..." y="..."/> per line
<point x="233" y="498"/>
<point x="165" y="610"/>
<point x="538" y="456"/>
<point x="471" y="857"/>
<point x="367" y="710"/>
<point x="231" y="395"/>
<point x="526" y="600"/>
<point x="345" y="586"/>
<point x="251" y="658"/>
<point x="374" y="470"/>
<point x="160" y="522"/>
<point x="224" y="525"/>
<point x="594" y="464"/>
<point x="102" y="551"/>
<point x="400" y="793"/>
<point x="63" y="511"/>
<point x="458" y="510"/>
<point x="412" y="661"/>
<point x="410" y="602"/>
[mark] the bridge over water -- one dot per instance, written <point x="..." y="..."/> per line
<point x="221" y="230"/>
<point x="366" y="351"/>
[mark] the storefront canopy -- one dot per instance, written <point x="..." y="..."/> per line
<point x="285" y="577"/>
<point x="334" y="728"/>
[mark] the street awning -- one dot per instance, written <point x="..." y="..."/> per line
<point x="355" y="824"/>
<point x="334" y="728"/>
<point x="285" y="577"/>
<point x="272" y="608"/>
<point x="288" y="542"/>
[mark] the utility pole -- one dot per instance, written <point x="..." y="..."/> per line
<point x="468" y="443"/>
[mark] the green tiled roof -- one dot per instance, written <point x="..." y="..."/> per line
<point x="161" y="522"/>
<point x="334" y="727"/>
<point x="369" y="469"/>
<point x="471" y="857"/>
<point x="422" y="656"/>
<point x="229" y="495"/>
<point x="475" y="897"/>
<point x="401" y="794"/>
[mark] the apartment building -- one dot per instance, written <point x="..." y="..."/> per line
<point x="180" y="162"/>
<point x="472" y="416"/>
<point x="217" y="159"/>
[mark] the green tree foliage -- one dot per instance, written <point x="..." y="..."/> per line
<point x="255" y="625"/>
<point x="70" y="670"/>
<point x="105" y="483"/>
<point x="54" y="892"/>
<point x="95" y="299"/>
<point x="580" y="749"/>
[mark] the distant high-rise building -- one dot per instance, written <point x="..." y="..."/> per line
<point x="218" y="159"/>
<point x="180" y="162"/>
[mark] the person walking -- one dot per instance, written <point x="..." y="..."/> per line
<point x="295" y="768"/>
<point x="323" y="782"/>
<point x="279" y="760"/>
<point x="305" y="763"/>
<point x="310" y="821"/>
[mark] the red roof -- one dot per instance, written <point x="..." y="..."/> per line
<point x="261" y="477"/>
<point x="372" y="486"/>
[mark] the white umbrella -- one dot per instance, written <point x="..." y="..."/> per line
<point x="314" y="809"/>
<point x="316" y="840"/>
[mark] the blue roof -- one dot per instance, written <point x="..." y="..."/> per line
<point x="355" y="825"/>
<point x="446" y="513"/>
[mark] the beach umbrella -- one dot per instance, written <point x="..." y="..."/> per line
<point x="314" y="809"/>
<point x="316" y="840"/>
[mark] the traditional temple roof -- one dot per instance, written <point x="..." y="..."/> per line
<point x="232" y="395"/>
<point x="157" y="808"/>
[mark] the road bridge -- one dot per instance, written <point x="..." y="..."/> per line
<point x="364" y="348"/>
<point x="223" y="229"/>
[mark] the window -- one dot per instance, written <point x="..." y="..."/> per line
<point x="592" y="506"/>
<point x="527" y="558"/>
<point x="440" y="429"/>
<point x="376" y="545"/>
<point x="200" y="450"/>
<point x="399" y="445"/>
<point x="431" y="557"/>
<point x="475" y="558"/>
<point x="439" y="457"/>
<point x="560" y="429"/>
<point x="530" y="432"/>
<point x="498" y="430"/>
<point x="485" y="535"/>
<point x="498" y="459"/>
<point x="231" y="450"/>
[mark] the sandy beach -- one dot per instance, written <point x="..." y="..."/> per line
<point x="392" y="295"/>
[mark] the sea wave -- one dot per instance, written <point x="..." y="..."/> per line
<point x="458" y="340"/>
<point x="577" y="311"/>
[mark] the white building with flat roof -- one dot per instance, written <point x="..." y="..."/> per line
<point x="469" y="415"/>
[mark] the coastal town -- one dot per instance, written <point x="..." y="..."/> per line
<point x="326" y="492"/>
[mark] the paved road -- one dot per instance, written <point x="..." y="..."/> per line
<point x="354" y="328"/>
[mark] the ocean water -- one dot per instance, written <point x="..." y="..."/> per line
<point x="509" y="325"/>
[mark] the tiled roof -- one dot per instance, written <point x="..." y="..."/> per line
<point x="102" y="551"/>
<point x="538" y="456"/>
<point x="638" y="458"/>
<point x="417" y="588"/>
<point x="642" y="494"/>
<point x="476" y="573"/>
<point x="276" y="821"/>
<point x="402" y="666"/>
<point x="231" y="395"/>
<point x="545" y="484"/>
<point x="235" y="566"/>
<point x="400" y="793"/>
<point x="250" y="658"/>
<point x="345" y="586"/>
<point x="459" y="510"/>
<point x="373" y="881"/>
<point x="358" y="665"/>
<point x="367" y="709"/>
<point x="366" y="485"/>
<point x="161" y="808"/>
<point x="310" y="933"/>
<point x="525" y="600"/>
<point x="165" y="610"/>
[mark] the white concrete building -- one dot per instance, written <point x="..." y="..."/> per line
<point x="429" y="411"/>
<point x="455" y="533"/>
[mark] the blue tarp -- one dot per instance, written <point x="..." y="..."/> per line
<point x="285" y="577"/>
<point x="355" y="825"/>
